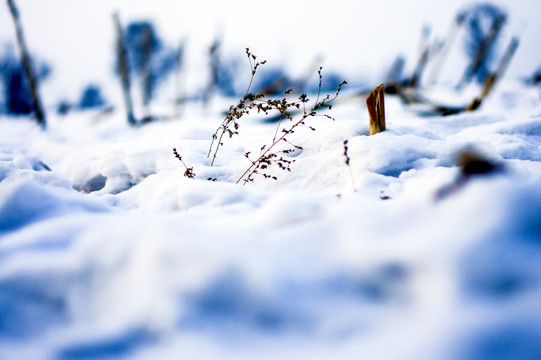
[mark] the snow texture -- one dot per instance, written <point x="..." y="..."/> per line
<point x="427" y="246"/>
<point x="107" y="251"/>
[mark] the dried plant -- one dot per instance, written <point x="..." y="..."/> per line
<point x="270" y="155"/>
<point x="189" y="171"/>
<point x="230" y="125"/>
<point x="348" y="160"/>
<point x="346" y="152"/>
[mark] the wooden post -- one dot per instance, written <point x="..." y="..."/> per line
<point x="124" y="69"/>
<point x="376" y="110"/>
<point x="27" y="66"/>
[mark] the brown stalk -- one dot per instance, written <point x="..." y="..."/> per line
<point x="376" y="110"/>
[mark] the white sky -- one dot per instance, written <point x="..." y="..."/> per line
<point x="358" y="38"/>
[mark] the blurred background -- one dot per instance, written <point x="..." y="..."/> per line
<point x="73" y="42"/>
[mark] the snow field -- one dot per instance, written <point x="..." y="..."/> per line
<point x="114" y="254"/>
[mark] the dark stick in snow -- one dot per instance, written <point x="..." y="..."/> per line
<point x="147" y="48"/>
<point x="423" y="59"/>
<point x="124" y="69"/>
<point x="27" y="66"/>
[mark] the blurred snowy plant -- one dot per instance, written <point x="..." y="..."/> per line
<point x="16" y="98"/>
<point x="148" y="58"/>
<point x="483" y="24"/>
<point x="472" y="164"/>
<point x="274" y="81"/>
<point x="91" y="97"/>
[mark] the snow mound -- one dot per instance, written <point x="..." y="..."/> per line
<point x="108" y="251"/>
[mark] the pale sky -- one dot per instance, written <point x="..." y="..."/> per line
<point x="358" y="38"/>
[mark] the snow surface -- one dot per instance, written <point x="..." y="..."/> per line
<point x="108" y="252"/>
<point x="365" y="262"/>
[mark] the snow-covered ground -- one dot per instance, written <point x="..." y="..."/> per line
<point x="370" y="261"/>
<point x="107" y="251"/>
